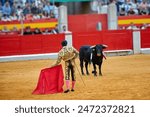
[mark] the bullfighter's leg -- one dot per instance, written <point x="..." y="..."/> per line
<point x="86" y="66"/>
<point x="67" y="77"/>
<point x="73" y="77"/>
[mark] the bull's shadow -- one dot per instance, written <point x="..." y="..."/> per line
<point x="91" y="54"/>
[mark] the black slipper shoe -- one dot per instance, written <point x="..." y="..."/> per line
<point x="66" y="91"/>
<point x="72" y="90"/>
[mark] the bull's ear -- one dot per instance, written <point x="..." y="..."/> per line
<point x="104" y="46"/>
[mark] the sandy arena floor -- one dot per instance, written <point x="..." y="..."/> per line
<point x="124" y="77"/>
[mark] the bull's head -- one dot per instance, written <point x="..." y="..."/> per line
<point x="97" y="49"/>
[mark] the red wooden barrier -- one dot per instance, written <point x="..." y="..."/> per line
<point x="29" y="44"/>
<point x="9" y="45"/>
<point x="37" y="44"/>
<point x="87" y="22"/>
<point x="145" y="38"/>
<point x="84" y="38"/>
<point x="116" y="40"/>
<point x="52" y="43"/>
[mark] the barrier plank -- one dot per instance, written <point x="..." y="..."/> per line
<point x="86" y="22"/>
<point x="52" y="43"/>
<point x="116" y="40"/>
<point x="30" y="44"/>
<point x="145" y="41"/>
<point x="39" y="44"/>
<point x="9" y="45"/>
<point x="84" y="38"/>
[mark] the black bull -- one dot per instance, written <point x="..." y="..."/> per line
<point x="91" y="54"/>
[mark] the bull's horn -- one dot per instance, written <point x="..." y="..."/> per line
<point x="105" y="45"/>
<point x="92" y="46"/>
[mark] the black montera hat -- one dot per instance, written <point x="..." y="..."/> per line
<point x="64" y="43"/>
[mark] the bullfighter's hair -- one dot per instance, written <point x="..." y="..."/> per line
<point x="64" y="43"/>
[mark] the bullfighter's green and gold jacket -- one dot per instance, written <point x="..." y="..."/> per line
<point x="66" y="53"/>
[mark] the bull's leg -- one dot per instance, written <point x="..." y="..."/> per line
<point x="81" y="66"/>
<point x="94" y="71"/>
<point x="100" y="72"/>
<point x="86" y="66"/>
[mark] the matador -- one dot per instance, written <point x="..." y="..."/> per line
<point x="68" y="55"/>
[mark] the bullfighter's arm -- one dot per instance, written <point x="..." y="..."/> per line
<point x="76" y="53"/>
<point x="57" y="61"/>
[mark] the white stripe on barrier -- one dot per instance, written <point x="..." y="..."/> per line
<point x="55" y="55"/>
<point x="28" y="57"/>
<point x="127" y="50"/>
<point x="145" y="50"/>
<point x="118" y="52"/>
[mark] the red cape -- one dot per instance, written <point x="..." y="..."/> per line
<point x="50" y="81"/>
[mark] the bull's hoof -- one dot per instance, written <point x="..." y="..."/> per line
<point x="95" y="75"/>
<point x="100" y="75"/>
<point x="87" y="73"/>
<point x="83" y="74"/>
